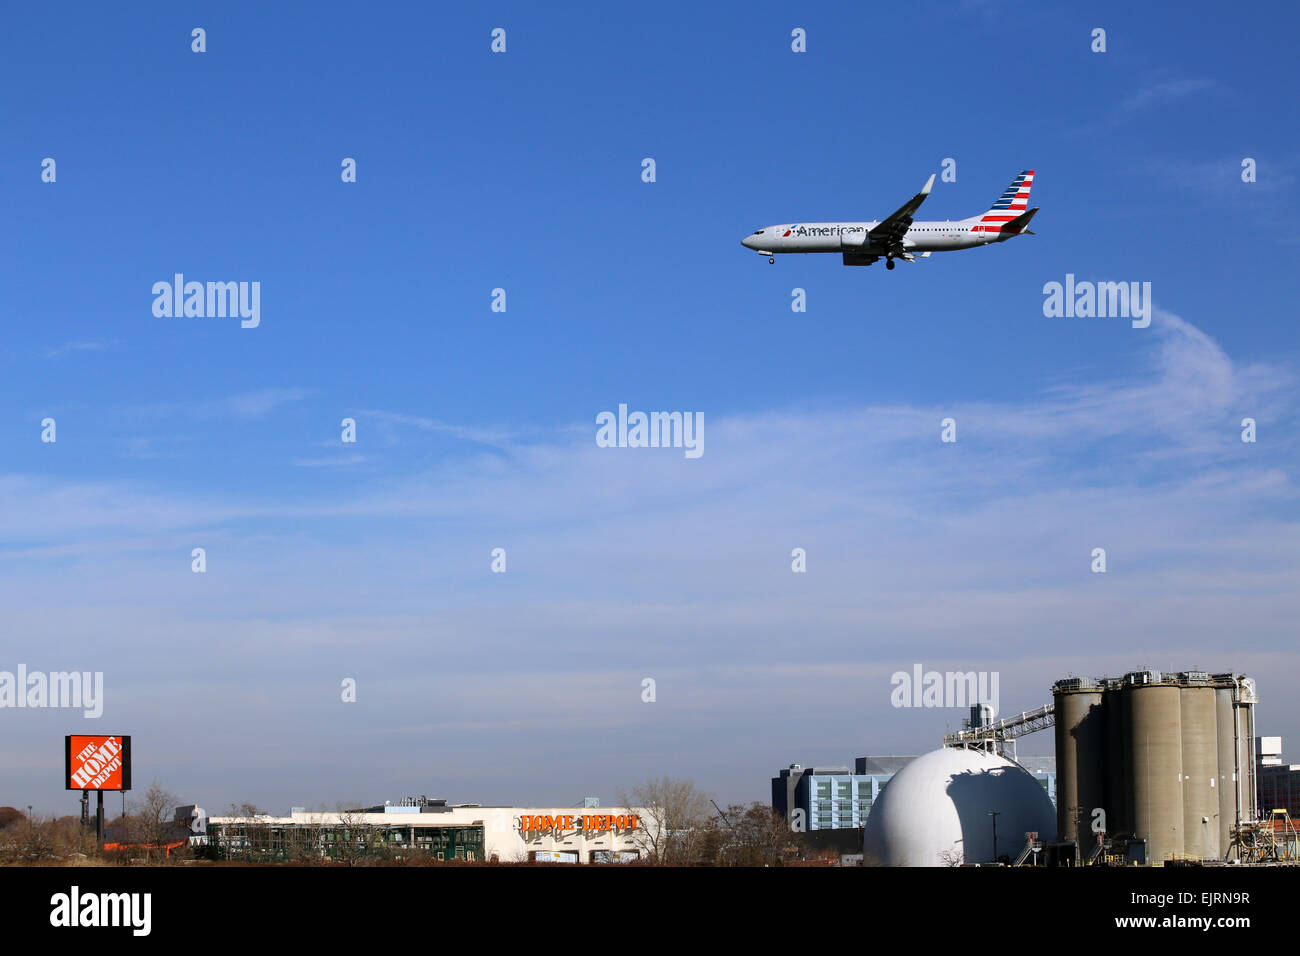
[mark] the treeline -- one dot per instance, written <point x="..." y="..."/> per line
<point x="27" y="838"/>
<point x="144" y="832"/>
<point x="680" y="826"/>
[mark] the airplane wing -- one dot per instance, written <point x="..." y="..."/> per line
<point x="890" y="231"/>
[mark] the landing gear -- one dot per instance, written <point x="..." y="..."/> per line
<point x="771" y="260"/>
<point x="889" y="263"/>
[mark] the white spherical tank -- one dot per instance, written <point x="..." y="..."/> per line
<point x="935" y="811"/>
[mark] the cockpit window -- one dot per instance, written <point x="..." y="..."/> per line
<point x="759" y="232"/>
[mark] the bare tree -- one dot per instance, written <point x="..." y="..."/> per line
<point x="675" y="821"/>
<point x="30" y="840"/>
<point x="72" y="839"/>
<point x="355" y="840"/>
<point x="303" y="841"/>
<point x="152" y="820"/>
<point x="755" y="835"/>
<point x="246" y="837"/>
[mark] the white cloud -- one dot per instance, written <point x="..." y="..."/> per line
<point x="79" y="346"/>
<point x="255" y="403"/>
<point x="391" y="423"/>
<point x="341" y="461"/>
<point x="262" y="401"/>
<point x="1164" y="91"/>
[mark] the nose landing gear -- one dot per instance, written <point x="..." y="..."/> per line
<point x="889" y="262"/>
<point x="771" y="260"/>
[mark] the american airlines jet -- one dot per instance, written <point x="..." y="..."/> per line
<point x="899" y="236"/>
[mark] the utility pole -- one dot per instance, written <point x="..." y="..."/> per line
<point x="721" y="814"/>
<point x="724" y="820"/>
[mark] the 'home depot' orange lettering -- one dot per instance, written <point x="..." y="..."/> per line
<point x="591" y="822"/>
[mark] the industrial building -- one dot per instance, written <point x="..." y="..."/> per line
<point x="1279" y="783"/>
<point x="1150" y="768"/>
<point x="1161" y="758"/>
<point x="835" y="798"/>
<point x="470" y="832"/>
<point x="958" y="806"/>
<point x="822" y="798"/>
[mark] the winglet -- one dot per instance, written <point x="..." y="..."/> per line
<point x="929" y="184"/>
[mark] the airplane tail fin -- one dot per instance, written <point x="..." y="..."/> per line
<point x="1012" y="203"/>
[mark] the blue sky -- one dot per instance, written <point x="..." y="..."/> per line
<point x="476" y="429"/>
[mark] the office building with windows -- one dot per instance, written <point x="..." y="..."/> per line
<point x="1279" y="783"/>
<point x="822" y="798"/>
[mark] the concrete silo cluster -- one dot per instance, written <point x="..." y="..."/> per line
<point x="1163" y="757"/>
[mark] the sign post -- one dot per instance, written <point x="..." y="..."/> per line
<point x="99" y="763"/>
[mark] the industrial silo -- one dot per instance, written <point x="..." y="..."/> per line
<point x="1173" y="755"/>
<point x="1227" y="769"/>
<point x="1200" y="766"/>
<point x="1155" y="762"/>
<point x="1080" y="759"/>
<point x="1119" y="790"/>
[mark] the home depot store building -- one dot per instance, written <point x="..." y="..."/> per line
<point x="509" y="834"/>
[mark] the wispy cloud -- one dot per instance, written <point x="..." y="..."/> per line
<point x="342" y="461"/>
<point x="262" y="401"/>
<point x="70" y="347"/>
<point x="147" y="447"/>
<point x="256" y="403"/>
<point x="1158" y="92"/>
<point x="1220" y="178"/>
<point x="391" y="423"/>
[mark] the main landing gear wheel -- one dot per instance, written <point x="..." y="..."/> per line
<point x="771" y="260"/>
<point x="889" y="263"/>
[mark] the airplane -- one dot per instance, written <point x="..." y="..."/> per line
<point x="898" y="236"/>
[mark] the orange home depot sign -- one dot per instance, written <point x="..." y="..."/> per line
<point x="97" y="762"/>
<point x="587" y="822"/>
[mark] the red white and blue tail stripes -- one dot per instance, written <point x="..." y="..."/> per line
<point x="1012" y="203"/>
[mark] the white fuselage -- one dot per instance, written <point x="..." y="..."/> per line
<point x="852" y="237"/>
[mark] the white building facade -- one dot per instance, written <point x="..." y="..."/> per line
<point x="506" y="834"/>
